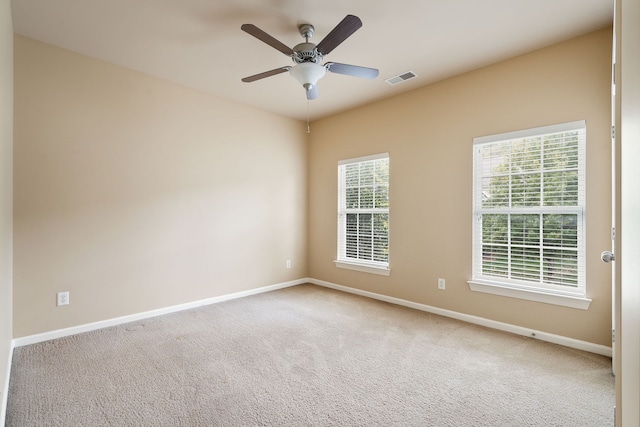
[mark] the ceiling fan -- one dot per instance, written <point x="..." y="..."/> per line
<point x="308" y="56"/>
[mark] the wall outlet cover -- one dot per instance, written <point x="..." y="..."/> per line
<point x="63" y="298"/>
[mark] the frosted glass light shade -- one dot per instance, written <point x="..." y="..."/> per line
<point x="308" y="73"/>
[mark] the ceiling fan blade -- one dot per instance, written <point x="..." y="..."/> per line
<point x="265" y="74"/>
<point x="270" y="40"/>
<point x="313" y="93"/>
<point x="340" y="33"/>
<point x="352" y="70"/>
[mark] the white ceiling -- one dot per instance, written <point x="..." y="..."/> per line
<point x="198" y="43"/>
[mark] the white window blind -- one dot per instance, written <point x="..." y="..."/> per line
<point x="363" y="211"/>
<point x="528" y="228"/>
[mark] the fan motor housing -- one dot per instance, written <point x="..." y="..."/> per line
<point x="306" y="52"/>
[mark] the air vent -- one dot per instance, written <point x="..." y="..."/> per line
<point x="401" y="78"/>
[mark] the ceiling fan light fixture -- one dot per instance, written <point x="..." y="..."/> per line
<point x="308" y="56"/>
<point x="308" y="74"/>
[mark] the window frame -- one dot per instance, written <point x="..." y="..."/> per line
<point x="342" y="260"/>
<point x="518" y="288"/>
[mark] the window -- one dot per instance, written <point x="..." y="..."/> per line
<point x="363" y="214"/>
<point x="528" y="227"/>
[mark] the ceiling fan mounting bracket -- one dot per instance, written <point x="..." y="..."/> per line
<point x="306" y="31"/>
<point x="306" y="52"/>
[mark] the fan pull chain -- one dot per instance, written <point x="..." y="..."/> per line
<point x="308" y="126"/>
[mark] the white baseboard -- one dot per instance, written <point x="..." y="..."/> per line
<point x="543" y="336"/>
<point x="5" y="388"/>
<point x="59" y="333"/>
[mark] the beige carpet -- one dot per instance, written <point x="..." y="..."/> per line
<point x="306" y="356"/>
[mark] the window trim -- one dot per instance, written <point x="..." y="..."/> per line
<point x="552" y="294"/>
<point x="537" y="295"/>
<point x="373" y="267"/>
<point x="382" y="270"/>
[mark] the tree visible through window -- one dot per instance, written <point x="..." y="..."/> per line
<point x="529" y="208"/>
<point x="363" y="211"/>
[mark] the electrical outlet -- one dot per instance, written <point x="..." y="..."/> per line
<point x="63" y="298"/>
<point x="288" y="263"/>
<point x="441" y="283"/>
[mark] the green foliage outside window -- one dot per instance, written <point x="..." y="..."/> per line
<point x="521" y="238"/>
<point x="366" y="206"/>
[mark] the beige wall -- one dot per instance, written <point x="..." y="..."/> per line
<point x="428" y="133"/>
<point x="6" y="189"/>
<point x="134" y="193"/>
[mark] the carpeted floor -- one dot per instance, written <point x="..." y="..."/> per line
<point x="306" y="356"/>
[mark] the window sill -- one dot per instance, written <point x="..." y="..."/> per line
<point x="530" y="295"/>
<point x="365" y="268"/>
